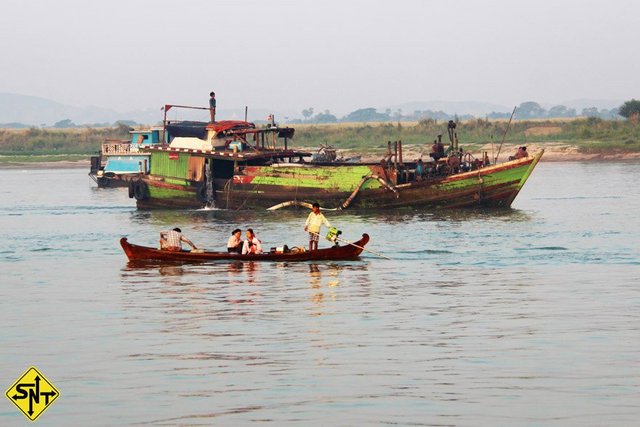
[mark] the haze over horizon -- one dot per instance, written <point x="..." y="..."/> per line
<point x="335" y="55"/>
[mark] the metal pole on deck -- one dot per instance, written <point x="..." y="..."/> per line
<point x="395" y="155"/>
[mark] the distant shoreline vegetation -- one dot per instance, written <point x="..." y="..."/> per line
<point x="525" y="111"/>
<point x="73" y="141"/>
<point x="589" y="135"/>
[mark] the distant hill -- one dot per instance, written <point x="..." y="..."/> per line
<point x="33" y="110"/>
<point x="18" y="109"/>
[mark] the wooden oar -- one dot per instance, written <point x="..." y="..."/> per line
<point x="359" y="247"/>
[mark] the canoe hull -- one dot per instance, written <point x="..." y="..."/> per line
<point x="143" y="253"/>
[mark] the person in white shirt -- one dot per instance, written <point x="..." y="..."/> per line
<point x="252" y="245"/>
<point x="313" y="224"/>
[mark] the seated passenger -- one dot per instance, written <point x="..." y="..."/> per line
<point x="172" y="240"/>
<point x="234" y="245"/>
<point x="454" y="164"/>
<point x="437" y="150"/>
<point x="522" y="153"/>
<point x="252" y="245"/>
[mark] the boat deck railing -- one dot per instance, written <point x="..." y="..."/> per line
<point x="118" y="147"/>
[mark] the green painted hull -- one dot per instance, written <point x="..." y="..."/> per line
<point x="265" y="186"/>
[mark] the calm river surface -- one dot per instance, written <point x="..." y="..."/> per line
<point x="524" y="317"/>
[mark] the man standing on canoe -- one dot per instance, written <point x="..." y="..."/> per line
<point x="313" y="224"/>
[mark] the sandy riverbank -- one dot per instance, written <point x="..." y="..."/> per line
<point x="62" y="164"/>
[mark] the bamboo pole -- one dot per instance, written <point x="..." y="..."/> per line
<point x="357" y="246"/>
<point x="495" y="160"/>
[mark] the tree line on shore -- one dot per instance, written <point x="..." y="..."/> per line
<point x="525" y="111"/>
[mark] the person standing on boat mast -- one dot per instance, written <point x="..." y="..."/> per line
<point x="212" y="106"/>
<point x="313" y="224"/>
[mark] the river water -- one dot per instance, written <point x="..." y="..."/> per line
<point x="523" y="317"/>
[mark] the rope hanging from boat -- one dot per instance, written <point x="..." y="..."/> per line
<point x="347" y="202"/>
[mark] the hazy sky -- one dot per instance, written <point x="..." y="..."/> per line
<point x="337" y="55"/>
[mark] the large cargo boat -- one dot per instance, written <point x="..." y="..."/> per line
<point x="236" y="165"/>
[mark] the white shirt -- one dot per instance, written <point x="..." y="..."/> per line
<point x="256" y="246"/>
<point x="314" y="222"/>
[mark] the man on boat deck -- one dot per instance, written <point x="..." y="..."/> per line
<point x="234" y="245"/>
<point x="437" y="149"/>
<point x="522" y="153"/>
<point x="252" y="245"/>
<point x="172" y="240"/>
<point x="212" y="106"/>
<point x="313" y="224"/>
<point x="419" y="170"/>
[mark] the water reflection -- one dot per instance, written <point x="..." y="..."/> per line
<point x="331" y="271"/>
<point x="314" y="275"/>
<point x="171" y="270"/>
<point x="228" y="219"/>
<point x="244" y="272"/>
<point x="324" y="280"/>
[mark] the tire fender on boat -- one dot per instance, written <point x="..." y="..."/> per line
<point x="140" y="190"/>
<point x="103" y="182"/>
<point x="132" y="191"/>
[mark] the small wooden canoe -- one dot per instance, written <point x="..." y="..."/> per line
<point x="336" y="253"/>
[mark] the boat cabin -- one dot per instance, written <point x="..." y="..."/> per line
<point x="124" y="157"/>
<point x="224" y="148"/>
<point x="120" y="159"/>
